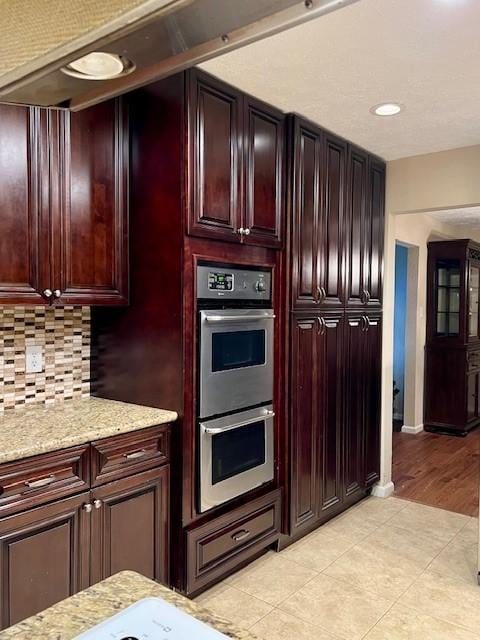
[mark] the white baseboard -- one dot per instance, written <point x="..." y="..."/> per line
<point x="417" y="429"/>
<point x="383" y="490"/>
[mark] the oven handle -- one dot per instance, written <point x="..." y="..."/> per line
<point x="245" y="318"/>
<point x="212" y="431"/>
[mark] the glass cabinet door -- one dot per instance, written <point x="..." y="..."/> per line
<point x="448" y="298"/>
<point x="473" y="299"/>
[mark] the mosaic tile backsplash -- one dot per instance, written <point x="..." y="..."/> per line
<point x="64" y="335"/>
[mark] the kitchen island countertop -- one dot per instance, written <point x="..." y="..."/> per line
<point x="69" y="618"/>
<point x="39" y="429"/>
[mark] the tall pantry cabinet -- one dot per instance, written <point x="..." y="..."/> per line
<point x="335" y="252"/>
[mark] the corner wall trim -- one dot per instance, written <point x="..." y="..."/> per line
<point x="417" y="429"/>
<point x="383" y="490"/>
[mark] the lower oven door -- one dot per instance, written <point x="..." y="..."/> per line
<point x="236" y="455"/>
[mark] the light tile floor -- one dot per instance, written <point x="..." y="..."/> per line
<point x="387" y="569"/>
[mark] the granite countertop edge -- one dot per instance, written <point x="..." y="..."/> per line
<point x="38" y="430"/>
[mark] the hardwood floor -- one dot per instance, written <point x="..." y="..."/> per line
<point x="437" y="470"/>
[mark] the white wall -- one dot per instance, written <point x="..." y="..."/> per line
<point x="449" y="179"/>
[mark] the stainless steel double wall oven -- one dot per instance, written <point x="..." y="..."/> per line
<point x="235" y="414"/>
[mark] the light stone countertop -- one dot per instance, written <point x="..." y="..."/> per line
<point x="69" y="618"/>
<point x="39" y="429"/>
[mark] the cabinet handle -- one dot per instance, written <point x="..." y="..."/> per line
<point x="240" y="535"/>
<point x="87" y="507"/>
<point x="367" y="293"/>
<point x="367" y="323"/>
<point x="97" y="503"/>
<point x="135" y="454"/>
<point x="42" y="482"/>
<point x="321" y="326"/>
<point x="47" y="293"/>
<point x="57" y="293"/>
<point x="318" y="295"/>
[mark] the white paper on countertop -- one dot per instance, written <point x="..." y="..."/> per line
<point x="152" y="619"/>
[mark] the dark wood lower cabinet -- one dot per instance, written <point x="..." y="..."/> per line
<point x="130" y="526"/>
<point x="335" y="414"/>
<point x="52" y="546"/>
<point x="316" y="418"/>
<point x="44" y="557"/>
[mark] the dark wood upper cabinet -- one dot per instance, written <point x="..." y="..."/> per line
<point x="264" y="173"/>
<point x="130" y="521"/>
<point x="23" y="236"/>
<point x="332" y="223"/>
<point x="214" y="135"/>
<point x="357" y="252"/>
<point x="64" y="205"/>
<point x="375" y="230"/>
<point x="306" y="148"/>
<point x="43" y="557"/>
<point x="235" y="164"/>
<point x="318" y="201"/>
<point x="89" y="216"/>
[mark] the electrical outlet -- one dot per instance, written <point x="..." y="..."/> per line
<point x="33" y="358"/>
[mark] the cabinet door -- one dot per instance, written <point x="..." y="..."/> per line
<point x="331" y="241"/>
<point x="23" y="174"/>
<point x="264" y="174"/>
<point x="215" y="158"/>
<point x="353" y="434"/>
<point x="130" y="522"/>
<point x="305" y="438"/>
<point x="307" y="145"/>
<point x="43" y="557"/>
<point x="328" y="399"/>
<point x="375" y="230"/>
<point x="90" y="206"/>
<point x="473" y="381"/>
<point x="372" y="358"/>
<point x="356" y="229"/>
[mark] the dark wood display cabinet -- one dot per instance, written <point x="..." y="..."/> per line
<point x="452" y="357"/>
<point x="65" y="526"/>
<point x="334" y="314"/>
<point x="64" y="205"/>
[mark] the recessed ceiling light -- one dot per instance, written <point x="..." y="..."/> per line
<point x="99" y="65"/>
<point x="387" y="109"/>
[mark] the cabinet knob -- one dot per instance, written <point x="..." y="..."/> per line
<point x="48" y="293"/>
<point x="246" y="232"/>
<point x="57" y="293"/>
<point x="97" y="503"/>
<point x="87" y="507"/>
<point x="240" y="231"/>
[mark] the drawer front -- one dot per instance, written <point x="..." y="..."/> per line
<point x="33" y="481"/>
<point x="120" y="456"/>
<point x="473" y="360"/>
<point x="220" y="546"/>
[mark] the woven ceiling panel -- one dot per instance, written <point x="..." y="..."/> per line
<point x="31" y="28"/>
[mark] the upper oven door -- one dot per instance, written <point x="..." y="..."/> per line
<point x="236" y="359"/>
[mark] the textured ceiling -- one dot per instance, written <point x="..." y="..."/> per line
<point x="469" y="217"/>
<point x="424" y="54"/>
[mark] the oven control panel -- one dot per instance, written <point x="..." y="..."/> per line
<point x="214" y="282"/>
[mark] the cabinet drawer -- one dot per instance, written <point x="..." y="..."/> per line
<point x="219" y="547"/>
<point x="34" y="481"/>
<point x="473" y="360"/>
<point x="119" y="456"/>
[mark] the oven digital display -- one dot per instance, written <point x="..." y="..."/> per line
<point x="220" y="281"/>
